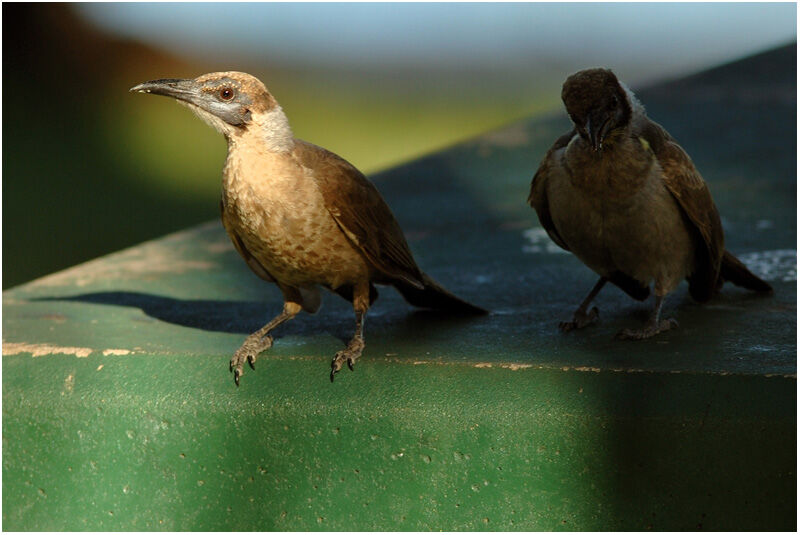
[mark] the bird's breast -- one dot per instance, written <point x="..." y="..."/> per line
<point x="279" y="213"/>
<point x="622" y="219"/>
<point x="613" y="174"/>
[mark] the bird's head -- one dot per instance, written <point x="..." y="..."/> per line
<point x="233" y="103"/>
<point x="598" y="104"/>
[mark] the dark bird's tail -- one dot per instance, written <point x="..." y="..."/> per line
<point x="735" y="271"/>
<point x="436" y="297"/>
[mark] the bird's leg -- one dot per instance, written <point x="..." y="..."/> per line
<point x="581" y="318"/>
<point x="356" y="345"/>
<point x="260" y="341"/>
<point x="653" y="326"/>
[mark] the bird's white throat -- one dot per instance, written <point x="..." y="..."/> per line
<point x="275" y="129"/>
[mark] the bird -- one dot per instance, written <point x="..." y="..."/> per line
<point x="625" y="198"/>
<point x="301" y="216"/>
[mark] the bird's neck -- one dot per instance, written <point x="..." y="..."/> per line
<point x="269" y="132"/>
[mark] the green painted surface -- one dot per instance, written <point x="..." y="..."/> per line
<point x="165" y="442"/>
<point x="119" y="411"/>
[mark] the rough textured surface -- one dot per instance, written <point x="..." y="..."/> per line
<point x="119" y="412"/>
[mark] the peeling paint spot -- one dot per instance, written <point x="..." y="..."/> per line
<point x="39" y="350"/>
<point x="587" y="369"/>
<point x="69" y="384"/>
<point x="107" y="352"/>
<point x="515" y="367"/>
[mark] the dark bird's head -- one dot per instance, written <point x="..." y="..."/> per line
<point x="234" y="103"/>
<point x="598" y="104"/>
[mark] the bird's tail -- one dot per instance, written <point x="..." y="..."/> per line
<point x="735" y="271"/>
<point x="433" y="295"/>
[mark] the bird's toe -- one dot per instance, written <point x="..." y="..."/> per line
<point x="580" y="320"/>
<point x="648" y="331"/>
<point x="336" y="365"/>
<point x="566" y="326"/>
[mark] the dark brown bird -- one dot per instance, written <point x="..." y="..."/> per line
<point x="300" y="216"/>
<point x="619" y="193"/>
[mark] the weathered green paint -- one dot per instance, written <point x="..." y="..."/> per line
<point x="165" y="442"/>
<point x="129" y="420"/>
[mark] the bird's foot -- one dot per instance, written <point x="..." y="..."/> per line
<point x="579" y="320"/>
<point x="651" y="329"/>
<point x="347" y="355"/>
<point x="248" y="353"/>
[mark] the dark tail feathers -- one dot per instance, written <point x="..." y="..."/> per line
<point x="436" y="297"/>
<point x="735" y="271"/>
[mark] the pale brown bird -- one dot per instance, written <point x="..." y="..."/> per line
<point x="619" y="193"/>
<point x="299" y="215"/>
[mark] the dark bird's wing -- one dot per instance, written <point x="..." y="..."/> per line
<point x="361" y="213"/>
<point x="538" y="195"/>
<point x="694" y="198"/>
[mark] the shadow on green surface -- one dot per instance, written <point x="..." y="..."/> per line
<point x="245" y="317"/>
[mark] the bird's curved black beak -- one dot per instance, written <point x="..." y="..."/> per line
<point x="597" y="128"/>
<point x="177" y="88"/>
<point x="593" y="129"/>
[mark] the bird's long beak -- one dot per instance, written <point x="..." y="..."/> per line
<point x="181" y="89"/>
<point x="594" y="134"/>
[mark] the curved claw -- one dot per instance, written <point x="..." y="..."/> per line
<point x="335" y="367"/>
<point x="248" y="352"/>
<point x="580" y="320"/>
<point x="648" y="331"/>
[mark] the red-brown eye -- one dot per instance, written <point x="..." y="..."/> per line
<point x="226" y="93"/>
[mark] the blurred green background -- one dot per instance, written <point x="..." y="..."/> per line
<point x="89" y="168"/>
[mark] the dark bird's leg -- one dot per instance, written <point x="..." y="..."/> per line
<point x="356" y="345"/>
<point x="260" y="340"/>
<point x="581" y="318"/>
<point x="653" y="326"/>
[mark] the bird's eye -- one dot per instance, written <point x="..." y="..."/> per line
<point x="226" y="93"/>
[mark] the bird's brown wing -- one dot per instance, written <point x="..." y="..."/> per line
<point x="251" y="261"/>
<point x="538" y="195"/>
<point x="361" y="213"/>
<point x="694" y="198"/>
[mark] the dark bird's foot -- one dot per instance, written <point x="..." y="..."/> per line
<point x="348" y="355"/>
<point x="579" y="320"/>
<point x="248" y="353"/>
<point x="651" y="329"/>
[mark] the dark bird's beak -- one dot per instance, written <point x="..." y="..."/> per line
<point x="192" y="92"/>
<point x="593" y="130"/>
<point x="186" y="90"/>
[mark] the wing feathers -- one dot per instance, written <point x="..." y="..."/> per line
<point x="538" y="195"/>
<point x="690" y="190"/>
<point x="362" y="214"/>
